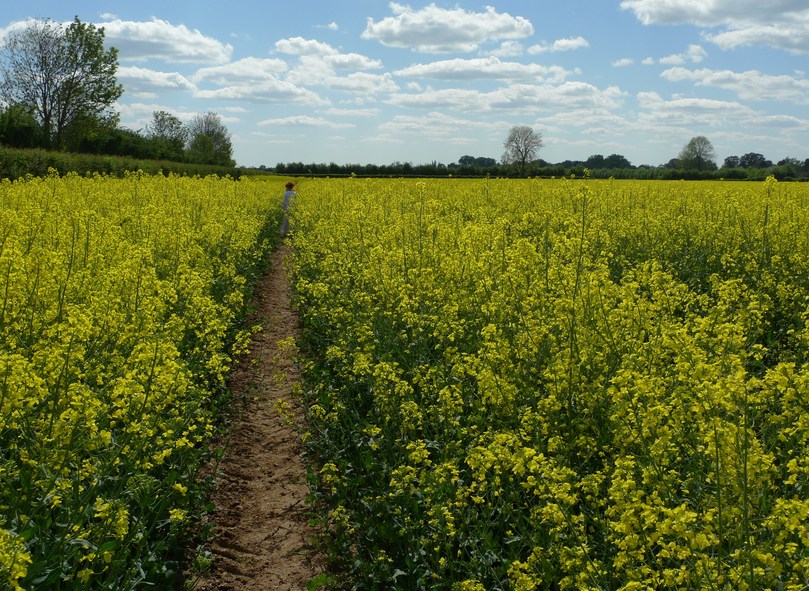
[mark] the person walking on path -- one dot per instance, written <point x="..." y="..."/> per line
<point x="289" y="195"/>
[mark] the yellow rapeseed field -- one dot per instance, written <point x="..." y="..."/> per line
<point x="558" y="383"/>
<point x="120" y="302"/>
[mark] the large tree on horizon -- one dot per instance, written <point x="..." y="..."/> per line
<point x="168" y="134"/>
<point x="521" y="146"/>
<point x="63" y="73"/>
<point x="209" y="140"/>
<point x="698" y="154"/>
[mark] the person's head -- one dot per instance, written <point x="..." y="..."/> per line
<point x="290" y="185"/>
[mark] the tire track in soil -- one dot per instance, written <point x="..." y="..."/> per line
<point x="262" y="539"/>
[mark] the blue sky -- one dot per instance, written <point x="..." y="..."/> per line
<point x="362" y="81"/>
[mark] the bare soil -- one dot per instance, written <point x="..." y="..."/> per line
<point x="262" y="539"/>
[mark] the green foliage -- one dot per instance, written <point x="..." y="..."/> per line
<point x="209" y="141"/>
<point x="65" y="74"/>
<point x="18" y="163"/>
<point x="19" y="127"/>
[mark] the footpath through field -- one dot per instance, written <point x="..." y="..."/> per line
<point x="262" y="539"/>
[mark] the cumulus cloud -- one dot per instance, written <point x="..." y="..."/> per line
<point x="145" y="82"/>
<point x="305" y="48"/>
<point x="551" y="97"/>
<point x="319" y="71"/>
<point x="301" y="46"/>
<point x="508" y="49"/>
<point x="437" y="125"/>
<point x="694" y="54"/>
<point x="623" y="62"/>
<point x="517" y="98"/>
<point x="748" y="85"/>
<point x="304" y="121"/>
<point x="159" y="39"/>
<point x="363" y="83"/>
<point x="352" y="61"/>
<point x="793" y="37"/>
<point x="778" y="23"/>
<point x="456" y="98"/>
<point x="343" y="112"/>
<point x="482" y="68"/>
<point x="567" y="44"/>
<point x="690" y="112"/>
<point x="438" y="30"/>
<point x="247" y="69"/>
<point x="271" y="90"/>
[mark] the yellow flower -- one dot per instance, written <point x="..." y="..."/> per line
<point x="177" y="515"/>
<point x="84" y="575"/>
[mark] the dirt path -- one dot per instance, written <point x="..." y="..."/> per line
<point x="262" y="540"/>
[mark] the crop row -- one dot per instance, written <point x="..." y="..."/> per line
<point x="558" y="384"/>
<point x="120" y="302"/>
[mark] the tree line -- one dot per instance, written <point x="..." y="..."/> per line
<point x="57" y="90"/>
<point x="697" y="160"/>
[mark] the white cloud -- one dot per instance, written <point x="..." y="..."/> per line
<point x="455" y="98"/>
<point x="793" y="37"/>
<point x="516" y="99"/>
<point x="508" y="49"/>
<point x="159" y="39"/>
<point x="301" y="46"/>
<point x="146" y="82"/>
<point x="436" y="125"/>
<point x="352" y="61"/>
<point x="777" y="23"/>
<point x="438" y="30"/>
<point x="482" y="68"/>
<point x="271" y="90"/>
<point x="318" y="71"/>
<point x="304" y="121"/>
<point x="568" y="44"/>
<point x="690" y="112"/>
<point x="748" y="85"/>
<point x="694" y="54"/>
<point x="372" y="112"/>
<point x="363" y="83"/>
<point x="623" y="62"/>
<point x="247" y="69"/>
<point x="550" y="97"/>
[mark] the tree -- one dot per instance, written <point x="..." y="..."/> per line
<point x="754" y="160"/>
<point x="481" y="161"/>
<point x="731" y="162"/>
<point x="595" y="162"/>
<point x="617" y="161"/>
<point x="19" y="127"/>
<point x="89" y="133"/>
<point x="168" y="135"/>
<point x="698" y="154"/>
<point x="521" y="145"/>
<point x="209" y="140"/>
<point x="64" y="73"/>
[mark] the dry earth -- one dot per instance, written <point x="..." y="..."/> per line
<point x="262" y="539"/>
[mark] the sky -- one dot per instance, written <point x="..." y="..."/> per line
<point x="376" y="82"/>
